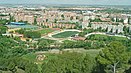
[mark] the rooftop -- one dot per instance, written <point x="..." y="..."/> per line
<point x="16" y="23"/>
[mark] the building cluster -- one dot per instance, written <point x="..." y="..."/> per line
<point x="58" y="25"/>
<point x="68" y="17"/>
<point x="58" y="19"/>
<point x="19" y="16"/>
<point x="108" y="27"/>
<point x="113" y="23"/>
<point x="5" y="17"/>
<point x="43" y="17"/>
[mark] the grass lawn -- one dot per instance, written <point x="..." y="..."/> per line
<point x="65" y="34"/>
<point x="32" y="57"/>
<point x="93" y="52"/>
<point x="46" y="30"/>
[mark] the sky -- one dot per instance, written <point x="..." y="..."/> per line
<point x="88" y="2"/>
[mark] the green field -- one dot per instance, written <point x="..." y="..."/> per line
<point x="46" y="31"/>
<point x="93" y="52"/>
<point x="32" y="57"/>
<point x="65" y="34"/>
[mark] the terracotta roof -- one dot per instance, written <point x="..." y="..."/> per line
<point x="79" y="38"/>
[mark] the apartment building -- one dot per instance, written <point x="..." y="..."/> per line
<point x="108" y="26"/>
<point x="24" y="17"/>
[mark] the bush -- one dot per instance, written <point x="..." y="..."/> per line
<point x="32" y="34"/>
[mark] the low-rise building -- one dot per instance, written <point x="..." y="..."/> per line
<point x="78" y="38"/>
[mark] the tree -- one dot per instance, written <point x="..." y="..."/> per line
<point x="32" y="34"/>
<point x="96" y="20"/>
<point x="117" y="31"/>
<point x="112" y="19"/>
<point x="87" y="64"/>
<point x="62" y="16"/>
<point x="11" y="18"/>
<point x="106" y="29"/>
<point x="69" y="63"/>
<point x="3" y="21"/>
<point x="111" y="30"/>
<point x="21" y="31"/>
<point x="31" y="68"/>
<point x="129" y="19"/>
<point x="55" y="21"/>
<point x="11" y="66"/>
<point x="47" y="20"/>
<point x="89" y="24"/>
<point x="126" y="30"/>
<point x="44" y="44"/>
<point x="11" y="56"/>
<point x="35" y="21"/>
<point x="18" y="51"/>
<point x="3" y="29"/>
<point x="114" y="57"/>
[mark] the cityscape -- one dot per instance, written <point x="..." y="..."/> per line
<point x="65" y="36"/>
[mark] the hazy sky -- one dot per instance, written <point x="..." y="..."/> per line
<point x="101" y="2"/>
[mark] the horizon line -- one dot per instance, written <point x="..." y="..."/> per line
<point x="63" y="4"/>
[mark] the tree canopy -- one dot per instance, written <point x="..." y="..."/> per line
<point x="69" y="63"/>
<point x="114" y="57"/>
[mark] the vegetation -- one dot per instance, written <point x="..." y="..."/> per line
<point x="35" y="22"/>
<point x="32" y="34"/>
<point x="99" y="54"/>
<point x="3" y="21"/>
<point x="45" y="31"/>
<point x="86" y="31"/>
<point x="69" y="63"/>
<point x="44" y="44"/>
<point x="106" y="38"/>
<point x="91" y="42"/>
<point x="94" y="42"/>
<point x="65" y="34"/>
<point x="3" y="15"/>
<point x="30" y="56"/>
<point x="3" y="29"/>
<point x="96" y="20"/>
<point x="114" y="58"/>
<point x="82" y="44"/>
<point x="21" y="31"/>
<point x="126" y="31"/>
<point x="11" y="56"/>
